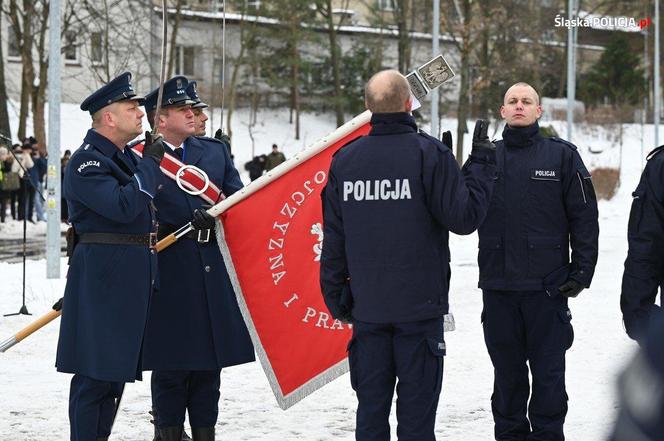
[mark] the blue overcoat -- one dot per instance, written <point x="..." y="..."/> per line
<point x="195" y="322"/>
<point x="108" y="286"/>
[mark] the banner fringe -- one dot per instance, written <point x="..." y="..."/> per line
<point x="284" y="401"/>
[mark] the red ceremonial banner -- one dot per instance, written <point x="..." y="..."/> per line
<point x="271" y="241"/>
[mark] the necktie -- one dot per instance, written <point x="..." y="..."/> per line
<point x="178" y="152"/>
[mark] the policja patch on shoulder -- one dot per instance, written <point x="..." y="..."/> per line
<point x="87" y="164"/>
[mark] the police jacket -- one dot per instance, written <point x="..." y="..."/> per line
<point x="195" y="322"/>
<point x="108" y="289"/>
<point x="543" y="203"/>
<point x="389" y="203"/>
<point x="644" y="266"/>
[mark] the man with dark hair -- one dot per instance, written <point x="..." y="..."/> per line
<point x="543" y="204"/>
<point x="274" y="158"/>
<point x="391" y="199"/>
<point x="195" y="327"/>
<point x="112" y="259"/>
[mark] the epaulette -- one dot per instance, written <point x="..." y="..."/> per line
<point x="654" y="152"/>
<point x="208" y="138"/>
<point x="436" y="141"/>
<point x="562" y="141"/>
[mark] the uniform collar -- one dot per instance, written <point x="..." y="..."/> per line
<point x="173" y="147"/>
<point x="102" y="143"/>
<point x="521" y="136"/>
<point x="392" y="123"/>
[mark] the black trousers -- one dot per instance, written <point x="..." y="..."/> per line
<point x="174" y="392"/>
<point x="91" y="407"/>
<point x="379" y="354"/>
<point x="527" y="329"/>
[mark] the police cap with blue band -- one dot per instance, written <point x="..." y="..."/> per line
<point x="118" y="89"/>
<point x="192" y="91"/>
<point x="175" y="94"/>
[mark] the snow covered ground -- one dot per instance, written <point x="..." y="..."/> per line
<point x="33" y="397"/>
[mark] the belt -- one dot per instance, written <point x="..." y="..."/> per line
<point x="147" y="240"/>
<point x="200" y="236"/>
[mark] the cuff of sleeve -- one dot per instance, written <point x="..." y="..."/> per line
<point x="140" y="187"/>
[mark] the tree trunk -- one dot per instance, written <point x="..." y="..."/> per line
<point x="334" y="58"/>
<point x="401" y="17"/>
<point x="174" y="33"/>
<point x="462" y="113"/>
<point x="296" y="92"/>
<point x="28" y="75"/>
<point x="39" y="92"/>
<point x="5" y="129"/>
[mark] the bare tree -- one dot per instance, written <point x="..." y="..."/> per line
<point x="324" y="7"/>
<point x="402" y="13"/>
<point x="5" y="129"/>
<point x="20" y="15"/>
<point x="247" y="43"/>
<point x="174" y="35"/>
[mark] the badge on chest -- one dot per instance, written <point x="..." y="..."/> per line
<point x="545" y="174"/>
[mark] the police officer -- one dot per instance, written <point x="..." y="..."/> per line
<point x="644" y="266"/>
<point x="195" y="326"/>
<point x="113" y="265"/>
<point x="641" y="386"/>
<point x="390" y="201"/>
<point x="197" y="107"/>
<point x="543" y="203"/>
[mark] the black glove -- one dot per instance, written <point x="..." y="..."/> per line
<point x="221" y="136"/>
<point x="154" y="148"/>
<point x="202" y="220"/>
<point x="481" y="140"/>
<point x="447" y="139"/>
<point x="58" y="305"/>
<point x="571" y="288"/>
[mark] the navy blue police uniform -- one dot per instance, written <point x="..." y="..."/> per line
<point x="195" y="327"/>
<point x="644" y="266"/>
<point x="111" y="273"/>
<point x="388" y="206"/>
<point x="543" y="202"/>
<point x="641" y="388"/>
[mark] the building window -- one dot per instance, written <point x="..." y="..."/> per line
<point x="12" y="44"/>
<point x="386" y="5"/>
<point x="185" y="60"/>
<point x="71" y="50"/>
<point x="253" y="4"/>
<point x="217" y="5"/>
<point x="96" y="48"/>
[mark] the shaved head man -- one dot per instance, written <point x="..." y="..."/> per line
<point x="387" y="92"/>
<point x="391" y="199"/>
<point x="546" y="206"/>
<point x="521" y="105"/>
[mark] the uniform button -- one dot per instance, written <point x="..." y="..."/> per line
<point x="429" y="302"/>
<point x="207" y="268"/>
<point x="160" y="186"/>
<point x="152" y="251"/>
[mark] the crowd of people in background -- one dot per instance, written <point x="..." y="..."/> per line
<point x="23" y="181"/>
